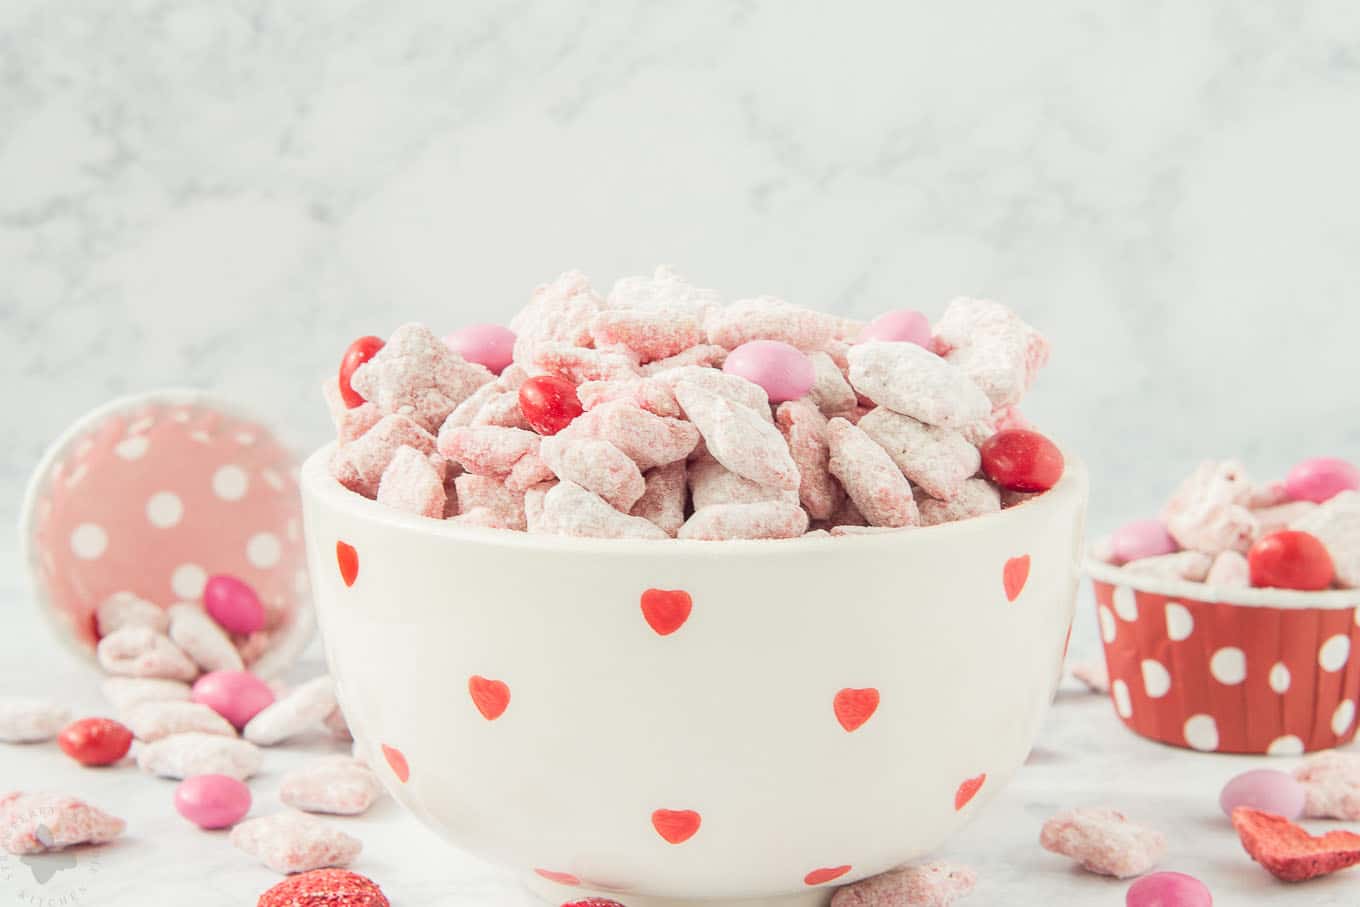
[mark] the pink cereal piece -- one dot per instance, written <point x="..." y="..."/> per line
<point x="349" y="423"/>
<point x="830" y="392"/>
<point x="487" y="450"/>
<point x="705" y="355"/>
<point x="181" y="756"/>
<point x="568" y="509"/>
<point x="558" y="311"/>
<point x="40" y="823"/>
<point x="1191" y="566"/>
<point x="993" y="346"/>
<point x="1103" y="841"/>
<point x="769" y="318"/>
<point x="466" y="413"/>
<point x="663" y="500"/>
<point x="1229" y="569"/>
<point x="339" y="785"/>
<point x="142" y="652"/>
<point x="839" y="351"/>
<point x="359" y="464"/>
<point x="481" y="518"/>
<point x="151" y="721"/>
<point x="915" y="382"/>
<point x="528" y="471"/>
<point x="654" y="396"/>
<point x="476" y="492"/>
<point x="665" y="290"/>
<point x="302" y="709"/>
<point x="847" y="515"/>
<point x="926" y="885"/>
<point x="1268" y="495"/>
<point x="648" y="439"/>
<point x="804" y="428"/>
<point x="760" y="520"/>
<point x="1331" y="783"/>
<point x="1275" y="517"/>
<point x="976" y="497"/>
<point x="739" y="438"/>
<point x="290" y="842"/>
<point x="870" y="477"/>
<point x="651" y="335"/>
<point x="411" y="484"/>
<point x="577" y="364"/>
<point x="125" y="692"/>
<point x="732" y="388"/>
<point x="1093" y="674"/>
<point x="711" y="483"/>
<point x="123" y="609"/>
<point x="940" y="460"/>
<point x="415" y="374"/>
<point x="24" y="720"/>
<point x="203" y="639"/>
<point x="597" y="466"/>
<point x="1208" y="511"/>
<point x="502" y="409"/>
<point x="1337" y="525"/>
<point x="533" y="504"/>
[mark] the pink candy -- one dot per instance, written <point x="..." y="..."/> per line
<point x="1264" y="789"/>
<point x="233" y="604"/>
<point x="212" y="801"/>
<point x="785" y="372"/>
<point x="1321" y="479"/>
<point x="489" y="345"/>
<point x="1140" y="539"/>
<point x="898" y="325"/>
<point x="237" y="696"/>
<point x="1168" y="889"/>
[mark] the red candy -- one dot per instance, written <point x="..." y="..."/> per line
<point x="1290" y="559"/>
<point x="1022" y="460"/>
<point x="325" y="888"/>
<point x="359" y="352"/>
<point x="95" y="741"/>
<point x="548" y="403"/>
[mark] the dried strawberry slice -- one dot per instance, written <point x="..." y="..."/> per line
<point x="1288" y="851"/>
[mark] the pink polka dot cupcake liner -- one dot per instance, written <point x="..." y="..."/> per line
<point x="152" y="494"/>
<point x="1230" y="670"/>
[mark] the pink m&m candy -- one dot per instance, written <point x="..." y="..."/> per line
<point x="1139" y="539"/>
<point x="237" y="696"/>
<point x="212" y="801"/>
<point x="1264" y="789"/>
<point x="1168" y="889"/>
<point x="784" y="371"/>
<point x="898" y="325"/>
<point x="233" y="604"/>
<point x="1321" y="479"/>
<point x="485" y="344"/>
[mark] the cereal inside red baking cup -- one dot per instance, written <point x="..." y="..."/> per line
<point x="1230" y="670"/>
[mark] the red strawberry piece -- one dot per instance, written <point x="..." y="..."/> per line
<point x="325" y="888"/>
<point x="359" y="352"/>
<point x="1021" y="460"/>
<point x="1288" y="851"/>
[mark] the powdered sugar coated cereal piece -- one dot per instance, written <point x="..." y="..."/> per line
<point x="481" y="518"/>
<point x="1275" y="517"/>
<point x="649" y="440"/>
<point x="1103" y="841"/>
<point x="1093" y="674"/>
<point x="359" y="465"/>
<point x="711" y="483"/>
<point x="804" y="428"/>
<point x="484" y="492"/>
<point x="568" y="509"/>
<point x="349" y="423"/>
<point x="151" y="721"/>
<point x="769" y="318"/>
<point x="870" y="477"/>
<point x="203" y="639"/>
<point x="732" y="388"/>
<point x="1336" y="524"/>
<point x="1192" y="566"/>
<point x="337" y="725"/>
<point x="127" y="692"/>
<point x="123" y="609"/>
<point x="486" y="450"/>
<point x="926" y="885"/>
<point x="415" y="374"/>
<point x="654" y="396"/>
<point x="302" y="709"/>
<point x="577" y="364"/>
<point x="650" y="334"/>
<point x="44" y="822"/>
<point x="938" y="459"/>
<point x="738" y="438"/>
<point x="465" y="413"/>
<point x="533" y="504"/>
<point x="1271" y="494"/>
<point x="142" y="652"/>
<point x="761" y="520"/>
<point x="596" y="466"/>
<point x="291" y="842"/>
<point x="195" y="753"/>
<point x="528" y="471"/>
<point x="665" y="290"/>
<point x="1331" y="783"/>
<point x="993" y="346"/>
<point x="915" y="382"/>
<point x="1229" y="569"/>
<point x="847" y="515"/>
<point x="338" y="785"/>
<point x="25" y="720"/>
<point x="560" y="311"/>
<point x="704" y="355"/>
<point x="975" y="498"/>
<point x="411" y="484"/>
<point x="830" y="392"/>
<point x="1208" y="511"/>
<point x="502" y="409"/>
<point x="663" y="499"/>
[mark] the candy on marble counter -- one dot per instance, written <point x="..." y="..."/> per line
<point x="95" y="741"/>
<point x="738" y="438"/>
<point x="939" y="460"/>
<point x="415" y="374"/>
<point x="491" y="346"/>
<point x="1264" y="788"/>
<point x="870" y="477"/>
<point x="325" y="888"/>
<point x="804" y="428"/>
<point x="290" y="842"/>
<point x="237" y="696"/>
<point x="301" y="710"/>
<point x="1331" y="784"/>
<point x="143" y="652"/>
<point x="359" y="465"/>
<point x="30" y="720"/>
<point x="915" y="382"/>
<point x="212" y="801"/>
<point x="1289" y="852"/>
<point x="1168" y="889"/>
<point x="191" y="753"/>
<point x="410" y="484"/>
<point x="597" y="466"/>
<point x="758" y="520"/>
<point x="976" y="497"/>
<point x="44" y="822"/>
<point x="152" y="721"/>
<point x="233" y="604"/>
<point x="1103" y="841"/>
<point x="125" y="692"/>
<point x="123" y="609"/>
<point x="338" y="785"/>
<point x="202" y="639"/>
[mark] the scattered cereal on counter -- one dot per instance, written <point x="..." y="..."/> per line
<point x="1103" y="841"/>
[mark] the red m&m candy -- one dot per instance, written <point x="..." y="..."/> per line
<point x="1018" y="459"/>
<point x="548" y="403"/>
<point x="1290" y="559"/>
<point x="95" y="741"/>
<point x="359" y="352"/>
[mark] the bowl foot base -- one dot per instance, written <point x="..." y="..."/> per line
<point x="556" y="895"/>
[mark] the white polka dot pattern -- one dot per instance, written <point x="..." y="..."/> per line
<point x="164" y="509"/>
<point x="1288" y="745"/>
<point x="89" y="541"/>
<point x="1108" y="628"/>
<point x="1229" y="665"/>
<point x="1179" y="623"/>
<point x="1279" y="678"/>
<point x="1334" y="652"/>
<point x="1125" y="603"/>
<point x="1156" y="679"/>
<point x="230" y="483"/>
<point x="1122" y="703"/>
<point x="1201" y="733"/>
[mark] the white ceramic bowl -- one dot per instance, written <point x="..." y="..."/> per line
<point x="529" y="699"/>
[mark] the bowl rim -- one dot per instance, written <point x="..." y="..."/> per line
<point x="1284" y="599"/>
<point x="316" y="482"/>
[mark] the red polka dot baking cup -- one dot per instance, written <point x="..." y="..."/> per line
<point x="1230" y="670"/>
<point x="154" y="493"/>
